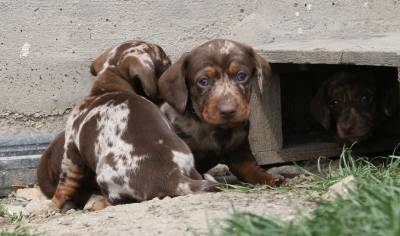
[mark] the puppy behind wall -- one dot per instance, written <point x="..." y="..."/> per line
<point x="208" y="102"/>
<point x="355" y="104"/>
<point x="123" y="139"/>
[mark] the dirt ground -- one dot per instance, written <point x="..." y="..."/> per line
<point x="186" y="215"/>
<point x="171" y="216"/>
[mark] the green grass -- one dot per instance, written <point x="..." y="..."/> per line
<point x="361" y="168"/>
<point x="11" y="217"/>
<point x="14" y="218"/>
<point x="18" y="231"/>
<point x="373" y="209"/>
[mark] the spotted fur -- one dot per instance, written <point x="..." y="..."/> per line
<point x="213" y="117"/>
<point x="115" y="134"/>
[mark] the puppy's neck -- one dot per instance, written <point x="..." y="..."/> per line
<point x="110" y="80"/>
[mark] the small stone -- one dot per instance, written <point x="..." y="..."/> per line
<point x="70" y="211"/>
<point x="297" y="180"/>
<point x="40" y="207"/>
<point x="341" y="188"/>
<point x="287" y="171"/>
<point x="66" y="222"/>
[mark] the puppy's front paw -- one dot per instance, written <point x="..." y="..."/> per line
<point x="277" y="180"/>
<point x="96" y="203"/>
<point x="68" y="205"/>
<point x="271" y="180"/>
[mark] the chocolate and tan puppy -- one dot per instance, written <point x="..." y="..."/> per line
<point x="49" y="167"/>
<point x="208" y="102"/>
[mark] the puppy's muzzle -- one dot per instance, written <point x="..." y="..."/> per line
<point x="227" y="109"/>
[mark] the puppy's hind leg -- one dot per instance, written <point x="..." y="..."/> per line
<point x="187" y="185"/>
<point x="70" y="180"/>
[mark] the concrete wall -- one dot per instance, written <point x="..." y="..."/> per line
<point x="46" y="46"/>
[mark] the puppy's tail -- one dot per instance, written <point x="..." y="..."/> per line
<point x="49" y="167"/>
<point x="191" y="186"/>
<point x="47" y="182"/>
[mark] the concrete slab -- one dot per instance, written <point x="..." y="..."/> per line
<point x="16" y="172"/>
<point x="48" y="45"/>
<point x="379" y="50"/>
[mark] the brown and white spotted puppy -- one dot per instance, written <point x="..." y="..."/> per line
<point x="208" y="102"/>
<point x="124" y="139"/>
<point x="49" y="167"/>
<point x="354" y="104"/>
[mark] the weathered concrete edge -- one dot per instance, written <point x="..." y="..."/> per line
<point x="16" y="171"/>
<point x="332" y="57"/>
<point x="19" y="162"/>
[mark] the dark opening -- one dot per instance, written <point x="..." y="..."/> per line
<point x="300" y="83"/>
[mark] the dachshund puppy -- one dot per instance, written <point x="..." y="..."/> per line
<point x="354" y="104"/>
<point x="123" y="139"/>
<point x="208" y="102"/>
<point x="49" y="166"/>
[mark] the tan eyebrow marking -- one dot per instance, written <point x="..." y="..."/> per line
<point x="210" y="72"/>
<point x="233" y="68"/>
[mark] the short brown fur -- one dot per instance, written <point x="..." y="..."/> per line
<point x="212" y="116"/>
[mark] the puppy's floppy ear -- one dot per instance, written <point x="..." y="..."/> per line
<point x="98" y="63"/>
<point x="172" y="84"/>
<point x="318" y="107"/>
<point x="145" y="74"/>
<point x="263" y="72"/>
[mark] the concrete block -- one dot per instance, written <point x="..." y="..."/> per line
<point x="16" y="172"/>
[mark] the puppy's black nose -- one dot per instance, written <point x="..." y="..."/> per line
<point x="346" y="127"/>
<point x="227" y="109"/>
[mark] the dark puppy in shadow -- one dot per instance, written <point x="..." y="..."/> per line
<point x="356" y="104"/>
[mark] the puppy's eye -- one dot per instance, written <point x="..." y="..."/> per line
<point x="366" y="99"/>
<point x="334" y="103"/>
<point x="203" y="82"/>
<point x="241" y="76"/>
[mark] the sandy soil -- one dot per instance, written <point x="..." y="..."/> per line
<point x="186" y="215"/>
<point x="176" y="216"/>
